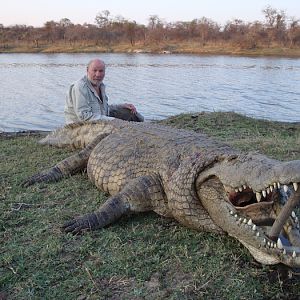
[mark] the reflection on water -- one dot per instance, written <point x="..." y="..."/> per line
<point x="34" y="86"/>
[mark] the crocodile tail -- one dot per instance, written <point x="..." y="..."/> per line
<point x="78" y="135"/>
<point x="66" y="167"/>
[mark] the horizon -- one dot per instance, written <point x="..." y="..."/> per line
<point x="37" y="13"/>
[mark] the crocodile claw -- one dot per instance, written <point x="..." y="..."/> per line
<point x="76" y="226"/>
<point x="52" y="175"/>
<point x="33" y="179"/>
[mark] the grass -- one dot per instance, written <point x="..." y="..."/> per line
<point x="140" y="257"/>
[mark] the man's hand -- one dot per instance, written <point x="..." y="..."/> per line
<point x="131" y="107"/>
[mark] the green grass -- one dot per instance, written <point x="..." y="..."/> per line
<point x="140" y="257"/>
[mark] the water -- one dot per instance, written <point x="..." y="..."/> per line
<point x="33" y="86"/>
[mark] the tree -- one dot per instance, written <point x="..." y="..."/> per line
<point x="294" y="32"/>
<point x="154" y="21"/>
<point x="51" y="30"/>
<point x="102" y="19"/>
<point x="65" y="22"/>
<point x="207" y="29"/>
<point x="276" y="24"/>
<point x="156" y="29"/>
<point x="131" y="31"/>
<point x="270" y="15"/>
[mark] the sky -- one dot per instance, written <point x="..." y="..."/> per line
<point x="38" y="12"/>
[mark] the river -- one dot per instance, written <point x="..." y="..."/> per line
<point x="33" y="86"/>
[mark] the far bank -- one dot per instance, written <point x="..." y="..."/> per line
<point x="162" y="48"/>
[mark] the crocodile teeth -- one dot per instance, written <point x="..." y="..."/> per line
<point x="293" y="214"/>
<point x="236" y="190"/>
<point x="294" y="254"/>
<point x="245" y="221"/>
<point x="284" y="251"/>
<point x="285" y="188"/>
<point x="254" y="227"/>
<point x="268" y="191"/>
<point x="244" y="186"/>
<point x="271" y="188"/>
<point x="295" y="184"/>
<point x="250" y="222"/>
<point x="275" y="185"/>
<point x="264" y="193"/>
<point x="258" y="196"/>
<point x="278" y="185"/>
<point x="279" y="244"/>
<point x="257" y="234"/>
<point x="240" y="189"/>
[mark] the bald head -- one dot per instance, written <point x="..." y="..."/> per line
<point x="96" y="71"/>
<point x="95" y="61"/>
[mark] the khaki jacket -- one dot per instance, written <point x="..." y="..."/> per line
<point x="83" y="103"/>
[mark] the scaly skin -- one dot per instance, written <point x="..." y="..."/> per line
<point x="200" y="182"/>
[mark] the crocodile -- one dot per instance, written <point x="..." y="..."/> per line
<point x="201" y="182"/>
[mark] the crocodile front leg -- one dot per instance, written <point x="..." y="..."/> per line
<point x="144" y="193"/>
<point x="66" y="167"/>
<point x="112" y="210"/>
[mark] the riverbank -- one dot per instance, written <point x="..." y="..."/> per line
<point x="141" y="257"/>
<point x="163" y="48"/>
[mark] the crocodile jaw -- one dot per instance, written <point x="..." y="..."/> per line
<point x="251" y="223"/>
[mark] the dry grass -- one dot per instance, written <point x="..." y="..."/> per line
<point x="188" y="47"/>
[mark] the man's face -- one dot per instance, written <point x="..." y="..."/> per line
<point x="96" y="72"/>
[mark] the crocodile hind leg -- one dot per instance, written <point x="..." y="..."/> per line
<point x="141" y="194"/>
<point x="66" y="167"/>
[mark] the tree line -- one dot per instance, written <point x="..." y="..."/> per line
<point x="277" y="29"/>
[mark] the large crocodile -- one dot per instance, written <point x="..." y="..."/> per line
<point x="202" y="183"/>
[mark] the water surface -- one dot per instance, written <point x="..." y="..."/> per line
<point x="33" y="86"/>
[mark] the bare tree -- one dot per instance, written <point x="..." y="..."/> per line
<point x="277" y="29"/>
<point x="156" y="32"/>
<point x="131" y="29"/>
<point x="51" y="30"/>
<point x="294" y="32"/>
<point x="276" y="24"/>
<point x="102" y="19"/>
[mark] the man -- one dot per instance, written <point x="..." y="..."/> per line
<point x="86" y="99"/>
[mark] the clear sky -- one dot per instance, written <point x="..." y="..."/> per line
<point x="37" y="12"/>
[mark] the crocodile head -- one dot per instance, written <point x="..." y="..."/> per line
<point x="245" y="196"/>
